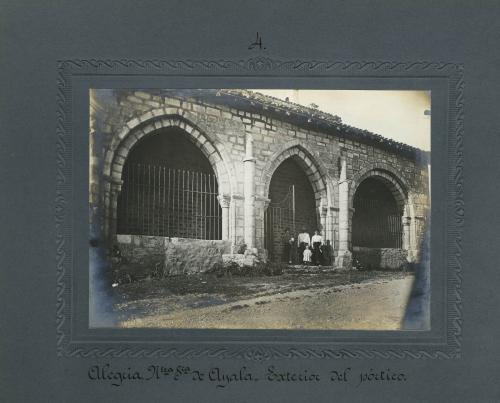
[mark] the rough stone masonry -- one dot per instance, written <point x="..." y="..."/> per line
<point x="246" y="136"/>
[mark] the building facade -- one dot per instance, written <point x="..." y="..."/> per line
<point x="244" y="168"/>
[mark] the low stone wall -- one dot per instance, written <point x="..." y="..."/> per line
<point x="187" y="256"/>
<point x="249" y="258"/>
<point x="380" y="258"/>
<point x="145" y="256"/>
<point x="141" y="255"/>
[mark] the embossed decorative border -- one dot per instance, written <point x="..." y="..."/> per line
<point x="257" y="66"/>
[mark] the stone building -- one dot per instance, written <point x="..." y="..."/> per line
<point x="176" y="173"/>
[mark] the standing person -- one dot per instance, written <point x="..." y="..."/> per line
<point x="303" y="240"/>
<point x="327" y="252"/>
<point x="316" y="242"/>
<point x="306" y="257"/>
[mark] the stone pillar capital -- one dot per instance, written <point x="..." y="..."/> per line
<point x="116" y="187"/>
<point x="224" y="201"/>
<point x="112" y="180"/>
<point x="266" y="203"/>
<point x="345" y="182"/>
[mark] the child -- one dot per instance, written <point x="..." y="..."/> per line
<point x="307" y="255"/>
<point x="303" y="240"/>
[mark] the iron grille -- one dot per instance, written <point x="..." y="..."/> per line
<point x="376" y="225"/>
<point x="162" y="201"/>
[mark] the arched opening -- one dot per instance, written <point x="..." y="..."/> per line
<point x="169" y="189"/>
<point x="292" y="207"/>
<point x="377" y="218"/>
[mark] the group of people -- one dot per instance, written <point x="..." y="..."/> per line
<point x="306" y="249"/>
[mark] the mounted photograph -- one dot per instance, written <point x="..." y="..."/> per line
<point x="259" y="209"/>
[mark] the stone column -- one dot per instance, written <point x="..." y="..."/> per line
<point x="233" y="232"/>
<point x="412" y="242"/>
<point x="106" y="207"/>
<point x="343" y="209"/>
<point x="409" y="225"/>
<point x="225" y="202"/>
<point x="113" y="207"/>
<point x="404" y="223"/>
<point x="344" y="257"/>
<point x="330" y="234"/>
<point x="264" y="251"/>
<point x="249" y="190"/>
<point x="324" y="232"/>
<point x="406" y="220"/>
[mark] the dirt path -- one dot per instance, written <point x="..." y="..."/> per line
<point x="376" y="304"/>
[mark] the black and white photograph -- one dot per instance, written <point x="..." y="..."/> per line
<point x="286" y="201"/>
<point x="259" y="209"/>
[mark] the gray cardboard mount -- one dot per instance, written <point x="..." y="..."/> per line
<point x="52" y="52"/>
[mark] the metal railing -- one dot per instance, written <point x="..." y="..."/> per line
<point x="279" y="216"/>
<point x="161" y="201"/>
<point x="376" y="224"/>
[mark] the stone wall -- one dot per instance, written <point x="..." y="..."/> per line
<point x="188" y="256"/>
<point x="146" y="256"/>
<point x="380" y="258"/>
<point x="120" y="117"/>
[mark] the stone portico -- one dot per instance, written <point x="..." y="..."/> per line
<point x="246" y="137"/>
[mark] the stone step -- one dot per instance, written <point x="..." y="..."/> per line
<point x="298" y="269"/>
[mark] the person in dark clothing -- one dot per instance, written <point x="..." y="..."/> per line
<point x="327" y="253"/>
<point x="316" y="242"/>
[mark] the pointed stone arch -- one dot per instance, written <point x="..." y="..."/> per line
<point x="314" y="169"/>
<point x="317" y="175"/>
<point x="399" y="189"/>
<point x="386" y="174"/>
<point x="150" y="124"/>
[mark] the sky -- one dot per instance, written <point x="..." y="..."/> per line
<point x="398" y="115"/>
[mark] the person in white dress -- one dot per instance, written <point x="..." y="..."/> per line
<point x="307" y="255"/>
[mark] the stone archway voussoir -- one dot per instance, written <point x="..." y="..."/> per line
<point x="123" y="133"/>
<point x="209" y="147"/>
<point x="171" y="111"/>
<point x="146" y="117"/>
<point x="132" y="123"/>
<point x="148" y="128"/>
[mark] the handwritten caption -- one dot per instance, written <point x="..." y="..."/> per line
<point x="222" y="378"/>
<point x="257" y="44"/>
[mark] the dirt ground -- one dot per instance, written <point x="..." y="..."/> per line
<point x="295" y="300"/>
